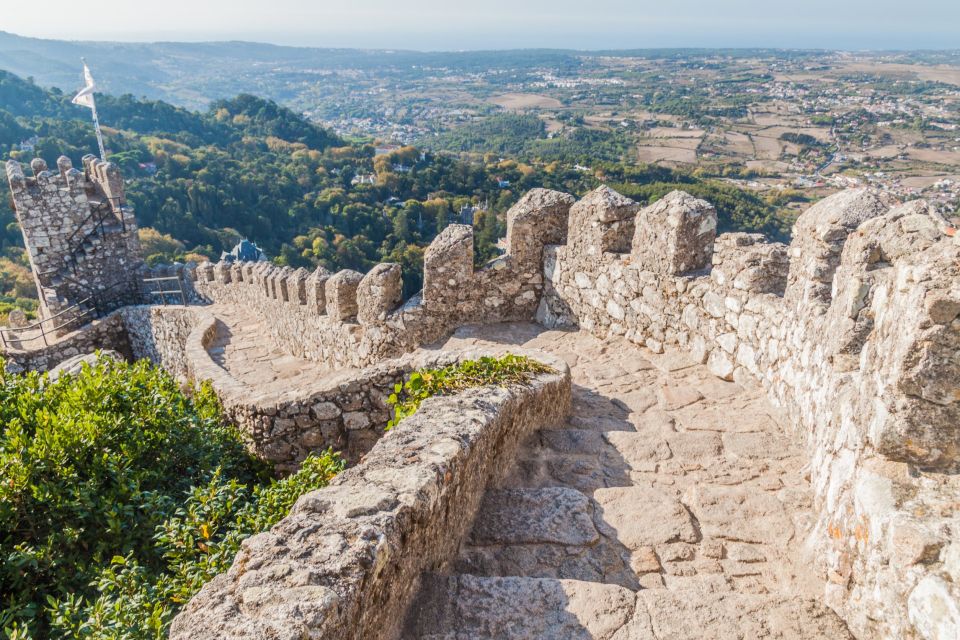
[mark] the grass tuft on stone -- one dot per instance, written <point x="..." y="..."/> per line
<point x="502" y="371"/>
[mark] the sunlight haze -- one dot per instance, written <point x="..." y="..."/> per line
<point x="437" y="25"/>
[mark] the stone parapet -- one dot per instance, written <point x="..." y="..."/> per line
<point x="349" y="319"/>
<point x="347" y="561"/>
<point x="30" y="354"/>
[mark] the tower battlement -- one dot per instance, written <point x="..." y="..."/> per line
<point x="80" y="234"/>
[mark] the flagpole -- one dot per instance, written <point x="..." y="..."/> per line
<point x="86" y="98"/>
<point x="96" y="127"/>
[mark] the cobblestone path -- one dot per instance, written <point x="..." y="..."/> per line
<point x="671" y="505"/>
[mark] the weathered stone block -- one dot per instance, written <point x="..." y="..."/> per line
<point x="282" y="289"/>
<point x="818" y="238"/>
<point x="379" y="293"/>
<point x="316" y="286"/>
<point x="539" y="218"/>
<point x="448" y="267"/>
<point x="747" y="262"/>
<point x="675" y="234"/>
<point x="602" y="221"/>
<point x="297" y="286"/>
<point x="341" y="294"/>
<point x="222" y="272"/>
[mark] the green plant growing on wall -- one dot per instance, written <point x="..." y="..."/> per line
<point x="500" y="371"/>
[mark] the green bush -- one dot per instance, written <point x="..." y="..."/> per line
<point x="120" y="496"/>
<point x="424" y="383"/>
<point x="198" y="542"/>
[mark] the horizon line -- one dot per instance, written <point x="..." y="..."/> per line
<point x="684" y="48"/>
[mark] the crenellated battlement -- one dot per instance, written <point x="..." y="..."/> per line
<point x="353" y="319"/>
<point x="854" y="329"/>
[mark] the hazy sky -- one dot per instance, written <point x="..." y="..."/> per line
<point x="489" y="24"/>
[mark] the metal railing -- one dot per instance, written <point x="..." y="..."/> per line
<point x="163" y="293"/>
<point x="11" y="336"/>
<point x="96" y="303"/>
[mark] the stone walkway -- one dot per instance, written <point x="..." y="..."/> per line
<point x="670" y="506"/>
<point x="246" y="351"/>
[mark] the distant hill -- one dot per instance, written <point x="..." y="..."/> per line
<point x="194" y="74"/>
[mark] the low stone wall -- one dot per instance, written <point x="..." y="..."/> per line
<point x="350" y="319"/>
<point x="347" y="560"/>
<point x="159" y="334"/>
<point x="106" y="333"/>
<point x="346" y="410"/>
<point x="854" y="329"/>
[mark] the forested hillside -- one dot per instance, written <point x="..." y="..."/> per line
<point x="247" y="167"/>
<point x="525" y="136"/>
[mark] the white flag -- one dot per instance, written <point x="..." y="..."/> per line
<point x="85" y="96"/>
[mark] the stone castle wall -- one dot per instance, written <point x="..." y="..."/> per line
<point x="80" y="234"/>
<point x="347" y="411"/>
<point x="108" y="333"/>
<point x="350" y="319"/>
<point x="854" y="329"/>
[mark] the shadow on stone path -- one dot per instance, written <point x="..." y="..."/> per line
<point x="670" y="505"/>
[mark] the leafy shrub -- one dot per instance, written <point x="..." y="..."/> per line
<point x="93" y="522"/>
<point x="502" y="371"/>
<point x="199" y="541"/>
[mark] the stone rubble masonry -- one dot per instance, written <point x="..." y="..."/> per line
<point x="71" y="258"/>
<point x="601" y="221"/>
<point x="348" y="559"/>
<point x="128" y="330"/>
<point x="108" y="333"/>
<point x="341" y="294"/>
<point x="854" y="329"/>
<point x="379" y="293"/>
<point x="346" y="410"/>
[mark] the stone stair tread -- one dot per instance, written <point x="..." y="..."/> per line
<point x="554" y="515"/>
<point x="604" y="562"/>
<point x="664" y="614"/>
<point x="465" y="607"/>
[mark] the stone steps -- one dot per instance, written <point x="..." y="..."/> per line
<point x="669" y="506"/>
<point x="553" y="532"/>
<point x="466" y="607"/>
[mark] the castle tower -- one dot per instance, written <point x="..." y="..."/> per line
<point x="81" y="236"/>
